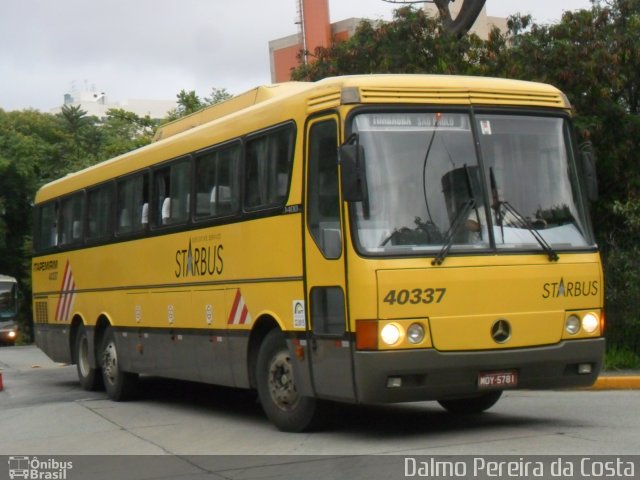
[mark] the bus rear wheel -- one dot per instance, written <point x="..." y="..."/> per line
<point x="90" y="378"/>
<point x="474" y="404"/>
<point x="119" y="385"/>
<point x="281" y="402"/>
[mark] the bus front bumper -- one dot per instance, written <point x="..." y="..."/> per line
<point x="417" y="375"/>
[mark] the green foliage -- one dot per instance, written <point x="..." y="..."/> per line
<point x="189" y="102"/>
<point x="123" y="131"/>
<point x="412" y="42"/>
<point x="621" y="358"/>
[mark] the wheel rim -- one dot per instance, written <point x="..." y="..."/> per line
<point x="281" y="384"/>
<point x="110" y="363"/>
<point x="83" y="356"/>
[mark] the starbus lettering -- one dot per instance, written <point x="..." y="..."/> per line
<point x="570" y="289"/>
<point x="199" y="261"/>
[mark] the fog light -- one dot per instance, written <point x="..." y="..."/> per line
<point x="584" y="368"/>
<point x="390" y="334"/>
<point x="394" y="382"/>
<point x="572" y="325"/>
<point x="590" y="323"/>
<point x="415" y="333"/>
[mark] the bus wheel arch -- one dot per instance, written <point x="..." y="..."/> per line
<point x="77" y="322"/>
<point x="83" y="356"/>
<point x="261" y="328"/>
<point x="102" y="324"/>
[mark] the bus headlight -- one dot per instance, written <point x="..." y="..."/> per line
<point x="572" y="325"/>
<point x="415" y="333"/>
<point x="390" y="334"/>
<point x="590" y="323"/>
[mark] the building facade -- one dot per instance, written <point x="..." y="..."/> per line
<point x="97" y="103"/>
<point x="316" y="30"/>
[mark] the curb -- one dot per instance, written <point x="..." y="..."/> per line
<point x="616" y="382"/>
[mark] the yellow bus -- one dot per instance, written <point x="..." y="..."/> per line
<point x="364" y="239"/>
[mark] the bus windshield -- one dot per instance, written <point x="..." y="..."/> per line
<point x="475" y="182"/>
<point x="8" y="300"/>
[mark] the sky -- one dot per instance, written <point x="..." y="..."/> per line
<point x="152" y="49"/>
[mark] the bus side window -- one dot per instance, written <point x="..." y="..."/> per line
<point x="217" y="182"/>
<point x="323" y="215"/>
<point x="46" y="226"/>
<point x="71" y="219"/>
<point x="99" y="212"/>
<point x="268" y="168"/>
<point x="172" y="184"/>
<point x="133" y="194"/>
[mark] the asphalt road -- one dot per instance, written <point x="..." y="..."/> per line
<point x="210" y="432"/>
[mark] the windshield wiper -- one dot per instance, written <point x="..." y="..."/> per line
<point x="525" y="223"/>
<point x="459" y="220"/>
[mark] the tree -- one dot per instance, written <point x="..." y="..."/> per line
<point x="189" y="102"/>
<point x="123" y="131"/>
<point x="411" y="43"/>
<point x="457" y="25"/>
<point x="217" y="95"/>
<point x="83" y="137"/>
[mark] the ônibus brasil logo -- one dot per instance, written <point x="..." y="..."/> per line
<point x="37" y="469"/>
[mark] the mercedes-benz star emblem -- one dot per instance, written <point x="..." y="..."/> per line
<point x="501" y="331"/>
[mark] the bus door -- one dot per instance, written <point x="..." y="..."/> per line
<point x="328" y="336"/>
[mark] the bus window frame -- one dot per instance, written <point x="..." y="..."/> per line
<point x="92" y="241"/>
<point x="243" y="213"/>
<point x="52" y="247"/>
<point x="74" y="243"/>
<point x="266" y="209"/>
<point x="142" y="232"/>
<point x="472" y="111"/>
<point x="203" y="221"/>
<point x="154" y="227"/>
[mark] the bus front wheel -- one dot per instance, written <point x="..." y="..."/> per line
<point x="90" y="378"/>
<point x="474" y="404"/>
<point x="281" y="402"/>
<point x="118" y="384"/>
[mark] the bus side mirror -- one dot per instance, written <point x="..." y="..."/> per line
<point x="588" y="157"/>
<point x="353" y="175"/>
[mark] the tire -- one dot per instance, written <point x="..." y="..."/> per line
<point x="90" y="378"/>
<point x="285" y="408"/>
<point x="474" y="404"/>
<point x="120" y="386"/>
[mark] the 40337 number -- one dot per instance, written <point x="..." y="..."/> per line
<point x="415" y="296"/>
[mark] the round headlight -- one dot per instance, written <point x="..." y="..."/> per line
<point x="415" y="333"/>
<point x="590" y="322"/>
<point x="390" y="334"/>
<point x="572" y="325"/>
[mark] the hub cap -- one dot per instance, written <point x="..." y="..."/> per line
<point x="281" y="384"/>
<point x="110" y="362"/>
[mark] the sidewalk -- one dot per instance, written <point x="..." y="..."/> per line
<point x="617" y="380"/>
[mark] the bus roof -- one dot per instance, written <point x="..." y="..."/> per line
<point x="7" y="279"/>
<point x="282" y="102"/>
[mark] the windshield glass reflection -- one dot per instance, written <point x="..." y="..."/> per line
<point x="427" y="192"/>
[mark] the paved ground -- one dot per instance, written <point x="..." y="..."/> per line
<point x="191" y="431"/>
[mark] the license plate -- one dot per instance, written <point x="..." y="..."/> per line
<point x="498" y="380"/>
